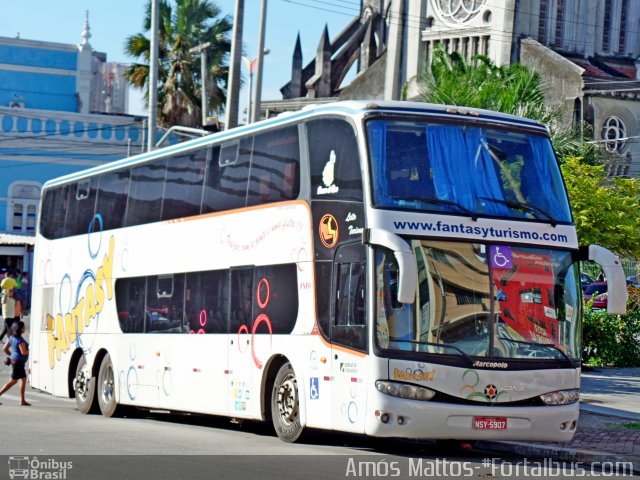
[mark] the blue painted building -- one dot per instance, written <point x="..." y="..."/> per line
<point x="57" y="116"/>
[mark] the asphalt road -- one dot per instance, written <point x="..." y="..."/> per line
<point x="52" y="434"/>
<point x="51" y="439"/>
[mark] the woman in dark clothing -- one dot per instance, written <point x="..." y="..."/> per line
<point x="18" y="350"/>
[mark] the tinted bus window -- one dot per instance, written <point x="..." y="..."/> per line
<point x="275" y="172"/>
<point x="335" y="164"/>
<point x="183" y="185"/>
<point x="165" y="303"/>
<point x="113" y="188"/>
<point x="82" y="201"/>
<point x="145" y="193"/>
<point x="207" y="301"/>
<point x="241" y="300"/>
<point x="276" y="298"/>
<point x="54" y="209"/>
<point x="130" y="299"/>
<point x="227" y="180"/>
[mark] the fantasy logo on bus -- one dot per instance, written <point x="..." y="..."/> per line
<point x="66" y="329"/>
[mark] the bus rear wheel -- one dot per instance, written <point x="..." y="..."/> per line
<point x="285" y="405"/>
<point x="106" y="388"/>
<point x="84" y="386"/>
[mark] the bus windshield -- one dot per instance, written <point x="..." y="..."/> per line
<point x="482" y="300"/>
<point x="465" y="169"/>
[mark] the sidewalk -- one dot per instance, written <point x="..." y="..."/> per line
<point x="608" y="428"/>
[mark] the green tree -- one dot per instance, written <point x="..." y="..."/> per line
<point x="605" y="210"/>
<point x="184" y="24"/>
<point x="513" y="89"/>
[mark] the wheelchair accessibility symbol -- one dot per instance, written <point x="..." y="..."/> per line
<point x="314" y="388"/>
<point x="500" y="256"/>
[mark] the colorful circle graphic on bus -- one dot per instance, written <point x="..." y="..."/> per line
<point x="263" y="295"/>
<point x="328" y="231"/>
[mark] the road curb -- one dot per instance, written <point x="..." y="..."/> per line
<point x="558" y="453"/>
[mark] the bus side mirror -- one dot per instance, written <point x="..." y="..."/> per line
<point x="616" y="281"/>
<point x="407" y="267"/>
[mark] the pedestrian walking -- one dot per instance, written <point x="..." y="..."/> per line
<point x="8" y="313"/>
<point x="26" y="291"/>
<point x="8" y="282"/>
<point x="18" y="350"/>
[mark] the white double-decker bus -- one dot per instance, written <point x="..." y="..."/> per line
<point x="393" y="269"/>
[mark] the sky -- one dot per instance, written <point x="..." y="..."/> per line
<point x="112" y="21"/>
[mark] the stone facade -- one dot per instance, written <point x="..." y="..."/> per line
<point x="587" y="52"/>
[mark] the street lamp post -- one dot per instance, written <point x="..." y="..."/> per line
<point x="202" y="48"/>
<point x="247" y="63"/>
<point x="257" y="94"/>
<point x="153" y="75"/>
<point x="250" y="64"/>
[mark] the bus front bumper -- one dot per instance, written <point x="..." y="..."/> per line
<point x="395" y="417"/>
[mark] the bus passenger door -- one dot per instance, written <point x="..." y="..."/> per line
<point x="240" y="392"/>
<point x="349" y="338"/>
<point x="39" y="330"/>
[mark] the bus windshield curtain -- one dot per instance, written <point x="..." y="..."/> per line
<point x="540" y="182"/>
<point x="448" y="156"/>
<point x="463" y="170"/>
<point x="484" y="171"/>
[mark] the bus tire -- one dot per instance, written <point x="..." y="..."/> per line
<point x="106" y="388"/>
<point x="84" y="387"/>
<point x="285" y="405"/>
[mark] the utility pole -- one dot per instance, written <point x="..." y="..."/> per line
<point x="233" y="93"/>
<point x="153" y="75"/>
<point x="202" y="48"/>
<point x="257" y="91"/>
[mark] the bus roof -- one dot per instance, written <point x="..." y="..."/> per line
<point x="349" y="107"/>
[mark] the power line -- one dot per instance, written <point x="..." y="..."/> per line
<point x="415" y="21"/>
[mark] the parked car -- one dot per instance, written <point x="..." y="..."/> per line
<point x="601" y="300"/>
<point x="594" y="288"/>
<point x="585" y="280"/>
<point x="632" y="280"/>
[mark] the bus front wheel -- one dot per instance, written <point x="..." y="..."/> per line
<point x="106" y="388"/>
<point x="84" y="386"/>
<point x="285" y="405"/>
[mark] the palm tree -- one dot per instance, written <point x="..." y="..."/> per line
<point x="452" y="80"/>
<point x="184" y="24"/>
<point x="513" y="89"/>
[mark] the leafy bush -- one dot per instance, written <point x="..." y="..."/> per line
<point x="613" y="340"/>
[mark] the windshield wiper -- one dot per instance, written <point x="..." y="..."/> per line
<point x="534" y="344"/>
<point x="523" y="206"/>
<point x="439" y="201"/>
<point x="441" y="345"/>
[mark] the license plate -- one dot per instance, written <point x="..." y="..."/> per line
<point x="489" y="423"/>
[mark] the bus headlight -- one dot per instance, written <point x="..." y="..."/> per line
<point x="404" y="390"/>
<point x="561" y="397"/>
